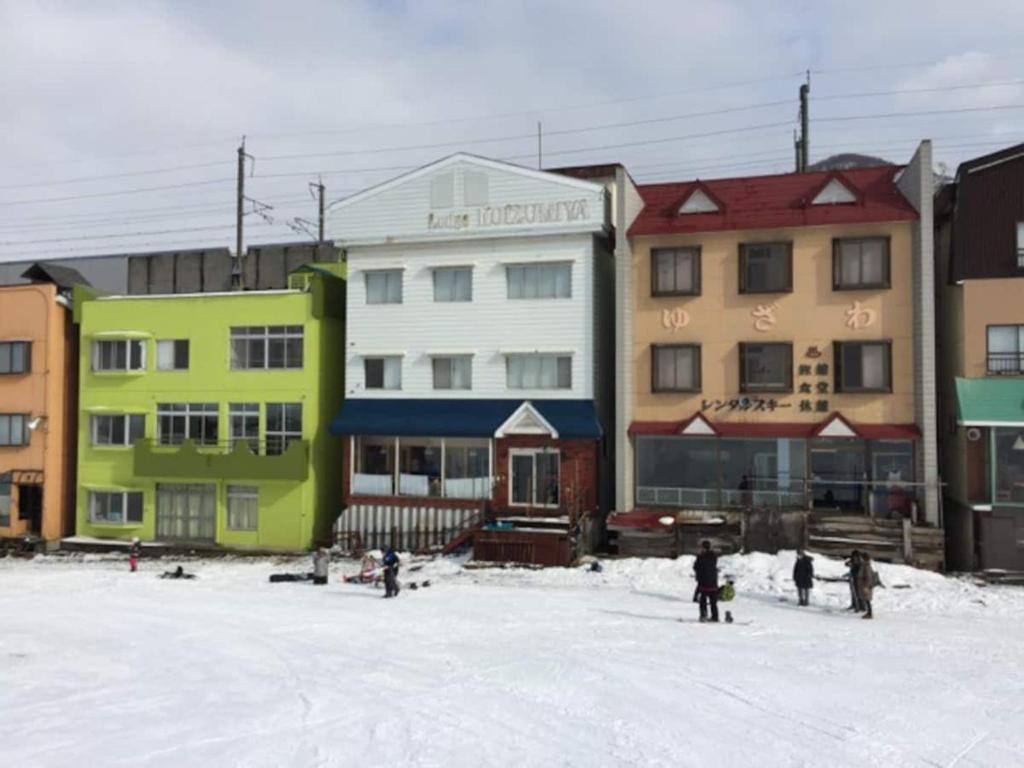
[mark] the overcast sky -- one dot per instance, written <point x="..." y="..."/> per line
<point x="158" y="94"/>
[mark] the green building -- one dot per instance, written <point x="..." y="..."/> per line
<point x="203" y="417"/>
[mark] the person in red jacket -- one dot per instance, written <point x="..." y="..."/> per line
<point x="134" y="552"/>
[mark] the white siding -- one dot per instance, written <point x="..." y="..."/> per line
<point x="486" y="327"/>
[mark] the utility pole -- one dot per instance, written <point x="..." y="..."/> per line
<point x="320" y="195"/>
<point x="238" y="264"/>
<point x="540" y="147"/>
<point x="803" y="144"/>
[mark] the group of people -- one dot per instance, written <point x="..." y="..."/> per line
<point x="389" y="565"/>
<point x="862" y="582"/>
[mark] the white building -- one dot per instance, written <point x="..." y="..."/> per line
<point x="479" y="357"/>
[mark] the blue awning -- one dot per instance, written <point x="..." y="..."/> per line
<point x="459" y="418"/>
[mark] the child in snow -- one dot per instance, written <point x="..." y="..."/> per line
<point x="391" y="573"/>
<point x="803" y="576"/>
<point x="134" y="552"/>
<point x="321" y="562"/>
<point x="866" y="584"/>
<point x="705" y="570"/>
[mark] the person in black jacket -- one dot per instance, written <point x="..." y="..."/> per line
<point x="803" y="576"/>
<point x="705" y="570"/>
<point x="853" y="563"/>
<point x="391" y="573"/>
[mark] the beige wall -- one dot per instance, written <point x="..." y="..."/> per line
<point x="987" y="302"/>
<point x="32" y="313"/>
<point x="812" y="315"/>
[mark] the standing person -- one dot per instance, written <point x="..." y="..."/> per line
<point x="391" y="563"/>
<point x="853" y="563"/>
<point x="321" y="562"/>
<point x="803" y="576"/>
<point x="705" y="569"/>
<point x="134" y="553"/>
<point x="866" y="584"/>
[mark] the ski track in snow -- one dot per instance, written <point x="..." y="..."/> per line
<point x="514" y="667"/>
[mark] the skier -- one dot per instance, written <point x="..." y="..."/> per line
<point x="866" y="584"/>
<point x="803" y="576"/>
<point x="391" y="573"/>
<point x="853" y="563"/>
<point x="321" y="561"/>
<point x="705" y="570"/>
<point x="134" y="552"/>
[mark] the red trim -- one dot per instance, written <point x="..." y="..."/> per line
<point x="779" y="429"/>
<point x="640" y="518"/>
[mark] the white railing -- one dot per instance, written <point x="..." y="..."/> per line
<point x="467" y="488"/>
<point x="413" y="485"/>
<point x="372" y="485"/>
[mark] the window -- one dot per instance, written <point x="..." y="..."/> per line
<point x="538" y="371"/>
<point x="15" y="356"/>
<point x="453" y="284"/>
<point x="177" y="422"/>
<point x="475" y="186"/>
<point x="1008" y="453"/>
<point x="766" y="367"/>
<point x="13" y="429"/>
<point x="1020" y="244"/>
<point x="419" y="466"/>
<point x="539" y="281"/>
<point x="453" y="372"/>
<point x="766" y="267"/>
<point x="284" y="426"/>
<point x="5" y="504"/>
<point x="263" y="347"/>
<point x="1006" y="349"/>
<point x="117" y="429"/>
<point x="675" y="271"/>
<point x="383" y="372"/>
<point x="860" y="263"/>
<point x="244" y="425"/>
<point x="375" y="466"/>
<point x="534" y="478"/>
<point x="115" y="507"/>
<point x="863" y="366"/>
<point x="172" y="355"/>
<point x="675" y="368"/>
<point x="119" y="355"/>
<point x="442" y="190"/>
<point x="243" y="507"/>
<point x="467" y="469"/>
<point x="383" y="286"/>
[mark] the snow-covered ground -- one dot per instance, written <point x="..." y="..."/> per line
<point x="101" y="667"/>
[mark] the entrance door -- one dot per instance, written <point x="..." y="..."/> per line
<point x="186" y="512"/>
<point x="30" y="507"/>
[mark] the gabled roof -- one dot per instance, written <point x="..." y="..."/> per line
<point x="769" y="202"/>
<point x="65" y="278"/>
<point x="700" y="199"/>
<point x="836" y="189"/>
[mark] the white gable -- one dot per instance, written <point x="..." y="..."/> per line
<point x="699" y="426"/>
<point x="698" y="202"/>
<point x="526" y="420"/>
<point x="465" y="196"/>
<point x="836" y="428"/>
<point x="834" y="193"/>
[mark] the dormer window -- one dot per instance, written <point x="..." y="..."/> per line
<point x="834" y="193"/>
<point x="698" y="202"/>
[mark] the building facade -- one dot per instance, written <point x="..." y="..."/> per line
<point x="479" y="356"/>
<point x="980" y="262"/>
<point x="37" y="416"/>
<point x="203" y="417"/>
<point x="776" y="343"/>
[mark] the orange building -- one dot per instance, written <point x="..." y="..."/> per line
<point x="37" y="406"/>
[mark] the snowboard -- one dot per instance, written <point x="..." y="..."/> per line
<point x="714" y="623"/>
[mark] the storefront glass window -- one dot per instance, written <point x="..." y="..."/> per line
<point x="677" y="471"/>
<point x="838" y="470"/>
<point x="1008" y="456"/>
<point x="892" y="470"/>
<point x="763" y="473"/>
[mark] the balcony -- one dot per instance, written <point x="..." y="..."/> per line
<point x="1006" y="363"/>
<point x="244" y="460"/>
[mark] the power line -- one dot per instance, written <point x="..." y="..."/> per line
<point x="843" y="118"/>
<point x="125" y="174"/>
<point x="138" y="190"/>
<point x="129" y="249"/>
<point x="111" y="236"/>
<point x="936" y="89"/>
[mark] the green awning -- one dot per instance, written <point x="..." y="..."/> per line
<point x="996" y="402"/>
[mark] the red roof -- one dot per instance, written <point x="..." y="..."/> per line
<point x="777" y="429"/>
<point x="767" y="202"/>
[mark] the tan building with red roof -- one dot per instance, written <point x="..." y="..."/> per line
<point x="780" y="347"/>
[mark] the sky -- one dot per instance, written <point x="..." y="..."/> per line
<point x="120" y="122"/>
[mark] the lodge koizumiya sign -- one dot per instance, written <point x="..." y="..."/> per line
<point x="513" y="214"/>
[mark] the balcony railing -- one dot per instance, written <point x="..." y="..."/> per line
<point x="241" y="459"/>
<point x="1006" y="363"/>
<point x="422" y="486"/>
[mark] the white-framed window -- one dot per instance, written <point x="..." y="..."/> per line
<point x="534" y="477"/>
<point x="244" y="425"/>
<point x="539" y="281"/>
<point x="115" y="507"/>
<point x="383" y="372"/>
<point x="117" y="429"/>
<point x="383" y="286"/>
<point x="119" y="355"/>
<point x="243" y="507"/>
<point x="15" y="357"/>
<point x="538" y="371"/>
<point x="453" y="372"/>
<point x="172" y="355"/>
<point x="284" y="426"/>
<point x="13" y="429"/>
<point x="266" y="347"/>
<point x="177" y="422"/>
<point x="453" y="284"/>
